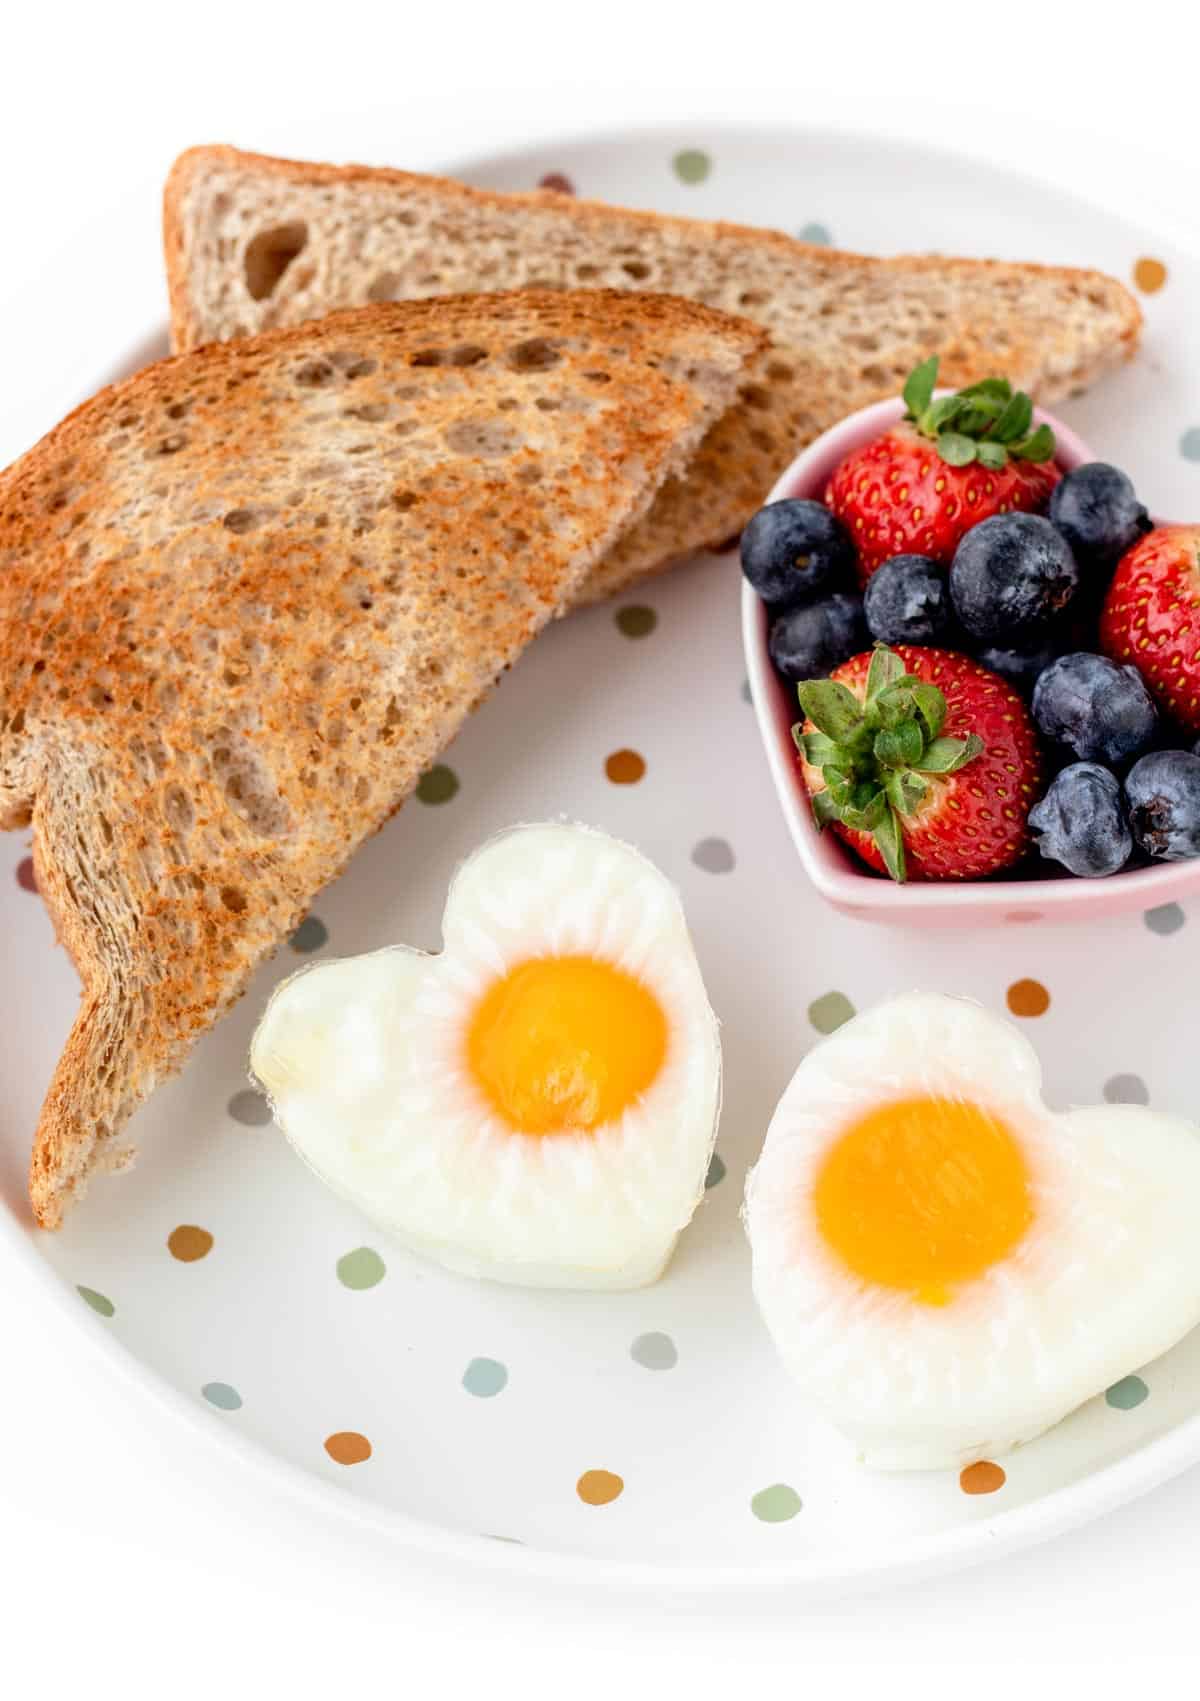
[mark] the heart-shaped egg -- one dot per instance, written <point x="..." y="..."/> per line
<point x="538" y="1103"/>
<point x="946" y="1266"/>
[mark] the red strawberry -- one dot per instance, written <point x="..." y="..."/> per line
<point x="925" y="763"/>
<point x="947" y="465"/>
<point x="1151" y="617"/>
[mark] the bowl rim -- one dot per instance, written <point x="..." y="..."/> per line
<point x="830" y="865"/>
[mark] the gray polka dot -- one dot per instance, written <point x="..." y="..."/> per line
<point x="816" y="232"/>
<point x="1167" y="918"/>
<point x="654" y="1351"/>
<point x="310" y="935"/>
<point x="221" y="1395"/>
<point x="485" y="1377"/>
<point x="746" y="697"/>
<point x="1189" y="444"/>
<point x="249" y="1108"/>
<point x="1126" y="1089"/>
<point x="716" y="1172"/>
<point x="714" y="856"/>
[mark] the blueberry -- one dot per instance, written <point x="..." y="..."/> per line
<point x="1021" y="668"/>
<point x="794" y="551"/>
<point x="1081" y="821"/>
<point x="1100" y="709"/>
<point x="1096" y="509"/>
<point x="809" y="642"/>
<point x="907" y="601"/>
<point x="1163" y="795"/>
<point x="1010" y="578"/>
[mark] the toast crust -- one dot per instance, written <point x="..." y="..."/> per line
<point x="248" y="595"/>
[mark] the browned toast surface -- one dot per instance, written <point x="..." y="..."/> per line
<point x="248" y="595"/>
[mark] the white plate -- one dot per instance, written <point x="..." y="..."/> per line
<point x="290" y="1355"/>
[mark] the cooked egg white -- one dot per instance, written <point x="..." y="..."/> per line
<point x="946" y="1267"/>
<point x="538" y="1103"/>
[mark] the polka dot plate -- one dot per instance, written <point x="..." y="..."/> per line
<point x="652" y="1434"/>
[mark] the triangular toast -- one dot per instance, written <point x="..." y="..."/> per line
<point x="248" y="595"/>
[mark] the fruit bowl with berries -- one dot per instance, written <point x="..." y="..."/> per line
<point x="975" y="664"/>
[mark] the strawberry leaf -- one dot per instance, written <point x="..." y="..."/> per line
<point x="992" y="455"/>
<point x="931" y="706"/>
<point x="894" y="706"/>
<point x="1015" y="421"/>
<point x="998" y="389"/>
<point x="824" y="809"/>
<point x="1038" y="447"/>
<point x="832" y="708"/>
<point x="920" y="385"/>
<point x="890" y="840"/>
<point x="943" y="411"/>
<point x="948" y="755"/>
<point x="817" y="749"/>
<point x="905" y="789"/>
<point x="900" y="746"/>
<point x="866" y="819"/>
<point x="955" y="449"/>
<point x="885" y="669"/>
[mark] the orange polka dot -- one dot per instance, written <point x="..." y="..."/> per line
<point x="347" y="1447"/>
<point x="597" y="1488"/>
<point x="625" y="767"/>
<point x="1149" y="275"/>
<point x="187" y="1243"/>
<point x="1028" y="998"/>
<point x="981" y="1478"/>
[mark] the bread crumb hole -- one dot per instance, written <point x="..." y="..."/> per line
<point x="637" y="269"/>
<point x="268" y="256"/>
<point x="242" y="520"/>
<point x="234" y="899"/>
<point x="536" y="354"/>
<point x="386" y="287"/>
<point x="487" y="438"/>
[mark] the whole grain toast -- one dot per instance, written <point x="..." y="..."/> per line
<point x="248" y="595"/>
<point x="252" y="242"/>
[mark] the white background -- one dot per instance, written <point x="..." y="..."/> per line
<point x="133" y="1554"/>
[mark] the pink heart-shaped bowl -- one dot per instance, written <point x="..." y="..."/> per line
<point x="837" y="874"/>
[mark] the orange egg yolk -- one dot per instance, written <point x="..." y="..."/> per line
<point x="561" y="1044"/>
<point x="923" y="1195"/>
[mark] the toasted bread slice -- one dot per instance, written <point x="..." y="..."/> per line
<point x="248" y="595"/>
<point x="252" y="242"/>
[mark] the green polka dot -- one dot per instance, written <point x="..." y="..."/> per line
<point x="1189" y="444"/>
<point x="1167" y="918"/>
<point x="816" y="232"/>
<point x="775" y="1505"/>
<point x="485" y="1377"/>
<point x="716" y="1172"/>
<point x="692" y="165"/>
<point x="636" y="621"/>
<point x="1129" y="1392"/>
<point x="98" y="1301"/>
<point x="437" y="786"/>
<point x="221" y="1395"/>
<point x="746" y="697"/>
<point x="311" y="934"/>
<point x="828" y="1012"/>
<point x="362" y="1268"/>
